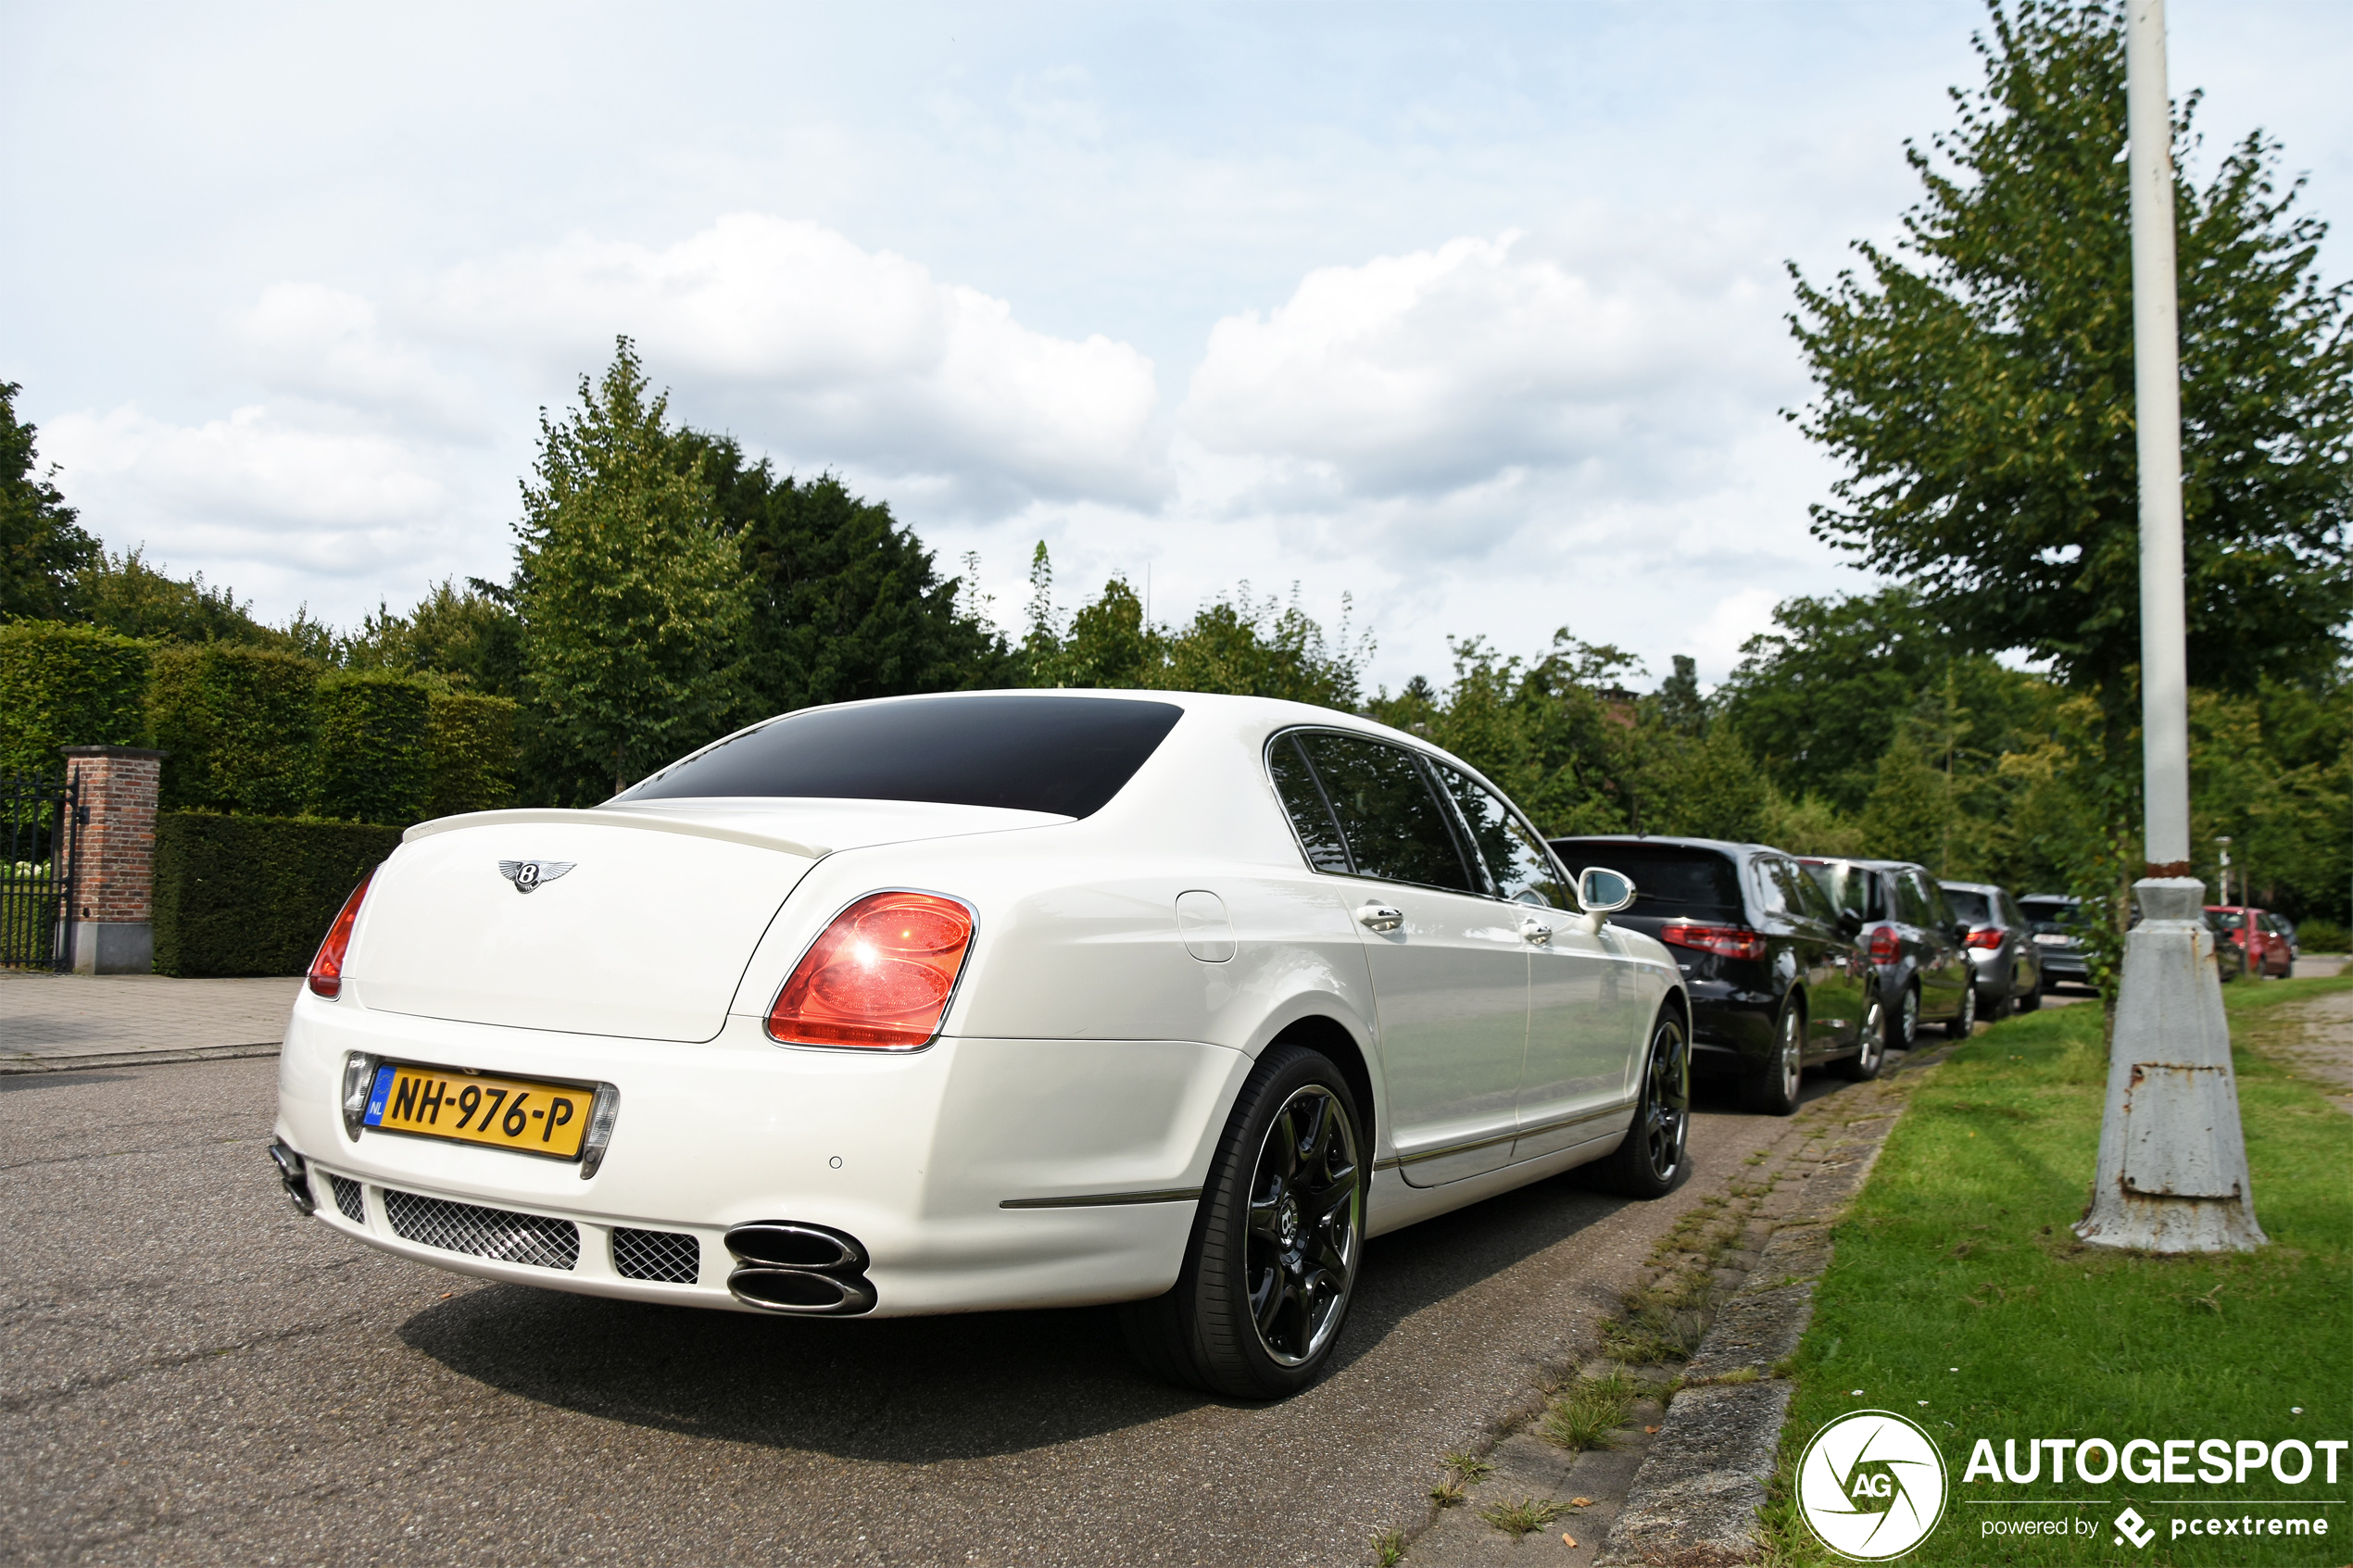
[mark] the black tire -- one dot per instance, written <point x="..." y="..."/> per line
<point x="1267" y="1278"/>
<point x="1866" y="1063"/>
<point x="2003" y="1006"/>
<point x="1656" y="1155"/>
<point x="1907" y="1017"/>
<point x="1962" y="1024"/>
<point x="2029" y="1000"/>
<point x="1772" y="1087"/>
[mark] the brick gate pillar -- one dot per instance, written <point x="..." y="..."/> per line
<point x="112" y="920"/>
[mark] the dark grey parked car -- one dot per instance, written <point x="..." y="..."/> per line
<point x="2051" y="918"/>
<point x="1913" y="938"/>
<point x="2009" y="974"/>
<point x="1776" y="981"/>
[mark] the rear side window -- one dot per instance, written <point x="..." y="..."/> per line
<point x="1791" y="891"/>
<point x="1521" y="870"/>
<point x="1311" y="814"/>
<point x="1066" y="755"/>
<point x="1968" y="906"/>
<point x="1911" y="903"/>
<point x="1850" y="888"/>
<point x="1669" y="878"/>
<point x="1394" y="824"/>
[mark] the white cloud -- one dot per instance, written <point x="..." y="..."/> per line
<point x="323" y="343"/>
<point x="251" y="497"/>
<point x="824" y="352"/>
<point x="1479" y="363"/>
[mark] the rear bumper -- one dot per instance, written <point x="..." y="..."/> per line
<point x="914" y="1154"/>
<point x="1731" y="1024"/>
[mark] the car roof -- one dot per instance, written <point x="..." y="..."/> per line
<point x="1675" y="841"/>
<point x="1973" y="887"/>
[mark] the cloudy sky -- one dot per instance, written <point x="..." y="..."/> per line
<point x="1471" y="312"/>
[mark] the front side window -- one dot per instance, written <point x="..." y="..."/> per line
<point x="1521" y="870"/>
<point x="1911" y="904"/>
<point x="1394" y="826"/>
<point x="1801" y="894"/>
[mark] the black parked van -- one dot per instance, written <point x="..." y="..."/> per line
<point x="1777" y="984"/>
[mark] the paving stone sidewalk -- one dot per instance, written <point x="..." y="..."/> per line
<point x="54" y="1022"/>
<point x="1685" y="1489"/>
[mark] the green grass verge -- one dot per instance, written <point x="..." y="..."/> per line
<point x="1958" y="1255"/>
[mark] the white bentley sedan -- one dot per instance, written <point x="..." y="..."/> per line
<point x="984" y="1000"/>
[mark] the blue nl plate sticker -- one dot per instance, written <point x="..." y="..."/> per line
<point x="378" y="1093"/>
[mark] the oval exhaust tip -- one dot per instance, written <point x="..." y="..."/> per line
<point x="786" y="1243"/>
<point x="803" y="1292"/>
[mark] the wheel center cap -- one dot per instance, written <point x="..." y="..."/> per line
<point x="1287" y="1220"/>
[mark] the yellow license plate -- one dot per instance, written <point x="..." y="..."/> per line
<point x="440" y="1102"/>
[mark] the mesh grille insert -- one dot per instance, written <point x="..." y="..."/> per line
<point x="348" y="1202"/>
<point x="484" y="1232"/>
<point x="665" y="1256"/>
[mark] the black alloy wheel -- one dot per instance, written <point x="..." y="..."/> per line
<point x="1656" y="1157"/>
<point x="1772" y="1087"/>
<point x="1276" y="1241"/>
<point x="1866" y="1063"/>
<point x="1964" y="1023"/>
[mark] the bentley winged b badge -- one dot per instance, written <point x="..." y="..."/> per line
<point x="528" y="875"/>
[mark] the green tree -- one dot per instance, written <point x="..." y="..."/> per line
<point x="1909" y="811"/>
<point x="122" y="593"/>
<point x="42" y="547"/>
<point x="1979" y="386"/>
<point x="846" y="603"/>
<point x="470" y="638"/>
<point x="632" y="595"/>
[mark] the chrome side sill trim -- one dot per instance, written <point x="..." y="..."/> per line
<point x="1104" y="1200"/>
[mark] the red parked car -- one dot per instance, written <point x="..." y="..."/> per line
<point x="2267" y="951"/>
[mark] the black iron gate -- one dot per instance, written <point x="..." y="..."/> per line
<point x="37" y="820"/>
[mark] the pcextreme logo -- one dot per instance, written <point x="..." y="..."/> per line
<point x="1871" y="1484"/>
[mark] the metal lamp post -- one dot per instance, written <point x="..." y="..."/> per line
<point x="2172" y="1167"/>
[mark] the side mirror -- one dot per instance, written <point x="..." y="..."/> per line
<point x="1851" y="922"/>
<point x="1601" y="891"/>
<point x="1960" y="934"/>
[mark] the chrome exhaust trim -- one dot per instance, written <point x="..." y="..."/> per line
<point x="786" y="1243"/>
<point x="801" y="1292"/>
<point x="294" y="1174"/>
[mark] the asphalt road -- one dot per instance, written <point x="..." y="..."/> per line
<point x="194" y="1375"/>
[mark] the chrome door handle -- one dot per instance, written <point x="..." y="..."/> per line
<point x="1536" y="931"/>
<point x="1380" y="917"/>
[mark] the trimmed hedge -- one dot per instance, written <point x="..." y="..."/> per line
<point x="373" y="762"/>
<point x="62" y="685"/>
<point x="254" y="895"/>
<point x="473" y="753"/>
<point x="239" y="722"/>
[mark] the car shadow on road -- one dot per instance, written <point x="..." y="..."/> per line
<point x="921" y="1390"/>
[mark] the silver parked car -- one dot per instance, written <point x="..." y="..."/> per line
<point x="2009" y="967"/>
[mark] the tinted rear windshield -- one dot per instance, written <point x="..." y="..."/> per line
<point x="1970" y="907"/>
<point x="1066" y="755"/>
<point x="1668" y="880"/>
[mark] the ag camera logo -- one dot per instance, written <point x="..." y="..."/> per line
<point x="1872" y="1485"/>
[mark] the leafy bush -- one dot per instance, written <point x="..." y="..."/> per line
<point x="67" y="685"/>
<point x="254" y="895"/>
<point x="473" y="754"/>
<point x="239" y="722"/>
<point x="373" y="762"/>
<point x="2322" y="936"/>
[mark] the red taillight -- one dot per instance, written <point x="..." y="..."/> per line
<point x="1726" y="941"/>
<point x="880" y="975"/>
<point x="326" y="969"/>
<point x="1883" y="944"/>
<point x="1989" y="938"/>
